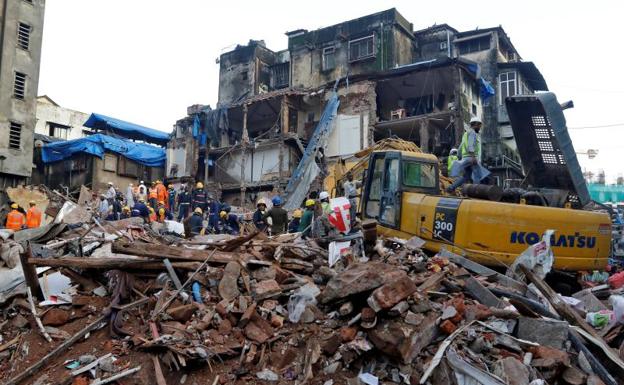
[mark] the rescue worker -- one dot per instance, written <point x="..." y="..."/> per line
<point x="125" y="213"/>
<point x="184" y="204"/>
<point x="308" y="215"/>
<point x="469" y="167"/>
<point x="115" y="208"/>
<point x="111" y="193"/>
<point x="198" y="197"/>
<point x="350" y="189"/>
<point x="152" y="215"/>
<point x="15" y="220"/>
<point x="293" y="226"/>
<point x="161" y="193"/>
<point x="142" y="192"/>
<point x="196" y="221"/>
<point x="324" y="199"/>
<point x="163" y="212"/>
<point x="171" y="197"/>
<point x="130" y="195"/>
<point x="258" y="215"/>
<point x="321" y="227"/>
<point x="141" y="210"/>
<point x="279" y="217"/>
<point x="153" y="195"/>
<point x="230" y="223"/>
<point x="103" y="207"/>
<point x="214" y="207"/>
<point x="33" y="216"/>
<point x="451" y="159"/>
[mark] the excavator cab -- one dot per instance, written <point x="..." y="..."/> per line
<point x="390" y="173"/>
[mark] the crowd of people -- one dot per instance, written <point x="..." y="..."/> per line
<point x="202" y="213"/>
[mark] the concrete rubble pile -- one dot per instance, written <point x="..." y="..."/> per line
<point x="123" y="302"/>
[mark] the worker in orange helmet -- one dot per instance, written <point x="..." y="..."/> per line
<point x="15" y="220"/>
<point x="33" y="216"/>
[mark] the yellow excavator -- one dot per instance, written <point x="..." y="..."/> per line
<point x="404" y="192"/>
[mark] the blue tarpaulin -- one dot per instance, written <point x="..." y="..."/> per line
<point x="487" y="91"/>
<point x="126" y="129"/>
<point x="98" y="144"/>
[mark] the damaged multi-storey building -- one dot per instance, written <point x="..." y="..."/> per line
<point x="391" y="81"/>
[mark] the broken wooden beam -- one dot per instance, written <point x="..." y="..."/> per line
<point x="30" y="273"/>
<point x="174" y="253"/>
<point x="109" y="263"/>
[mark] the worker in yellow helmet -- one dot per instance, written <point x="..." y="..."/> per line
<point x="229" y="223"/>
<point x="293" y="226"/>
<point x="199" y="197"/>
<point x="308" y="215"/>
<point x="15" y="220"/>
<point x="125" y="212"/>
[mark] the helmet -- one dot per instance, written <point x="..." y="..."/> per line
<point x="170" y="185"/>
<point x="297" y="213"/>
<point x="199" y="185"/>
<point x="151" y="209"/>
<point x="158" y="181"/>
<point x="261" y="201"/>
<point x="161" y="203"/>
<point x="142" y="182"/>
<point x="223" y="214"/>
<point x="126" y="208"/>
<point x="141" y="199"/>
<point x="475" y="120"/>
<point x="453" y="151"/>
<point x="14" y="205"/>
<point x="324" y="195"/>
<point x="110" y="183"/>
<point x="32" y="202"/>
<point x="310" y="203"/>
<point x="198" y="210"/>
<point x="277" y="200"/>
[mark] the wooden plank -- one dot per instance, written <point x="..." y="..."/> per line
<point x="109" y="263"/>
<point x="30" y="273"/>
<point x="160" y="378"/>
<point x="175" y="253"/>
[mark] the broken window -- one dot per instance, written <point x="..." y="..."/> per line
<point x="280" y="75"/>
<point x="56" y="130"/>
<point x="474" y="45"/>
<point x="23" y="35"/>
<point x="19" y="85"/>
<point x="15" y="135"/>
<point x="329" y="58"/>
<point x="507" y="85"/>
<point x="362" y="48"/>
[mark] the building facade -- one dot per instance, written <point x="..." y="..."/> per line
<point x="391" y="81"/>
<point x="58" y="122"/>
<point x="21" y="30"/>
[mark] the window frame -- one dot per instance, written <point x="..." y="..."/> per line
<point x="21" y="38"/>
<point x="23" y="86"/>
<point x="54" y="126"/>
<point x="473" y="43"/>
<point x="330" y="50"/>
<point x="110" y="168"/>
<point x="506" y="82"/>
<point x="12" y="137"/>
<point x="360" y="41"/>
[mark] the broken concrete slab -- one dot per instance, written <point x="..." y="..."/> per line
<point x="388" y="295"/>
<point x="512" y="371"/>
<point x="546" y="332"/>
<point x="228" y="286"/>
<point x="266" y="289"/>
<point x="359" y="278"/>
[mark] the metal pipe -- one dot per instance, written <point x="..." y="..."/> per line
<point x="483" y="191"/>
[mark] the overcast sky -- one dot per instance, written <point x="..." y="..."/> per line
<point x="145" y="61"/>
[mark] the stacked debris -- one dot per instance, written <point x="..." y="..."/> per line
<point x="130" y="303"/>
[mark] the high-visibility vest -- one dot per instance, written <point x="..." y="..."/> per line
<point x="152" y="216"/>
<point x="153" y="193"/>
<point x="450" y="161"/>
<point x="15" y="220"/>
<point x="464" y="146"/>
<point x="33" y="217"/>
<point x="161" y="192"/>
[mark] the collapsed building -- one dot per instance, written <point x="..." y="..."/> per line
<point x="391" y="81"/>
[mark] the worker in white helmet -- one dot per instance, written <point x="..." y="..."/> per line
<point x="469" y="168"/>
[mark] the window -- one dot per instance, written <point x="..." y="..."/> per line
<point x="110" y="162"/>
<point x="23" y="35"/>
<point x="15" y="135"/>
<point x="280" y="75"/>
<point x="329" y="58"/>
<point x="418" y="174"/>
<point x="362" y="48"/>
<point x="19" y="85"/>
<point x="126" y="167"/>
<point x="374" y="195"/>
<point x="507" y="85"/>
<point x="474" y="45"/>
<point x="56" y="130"/>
